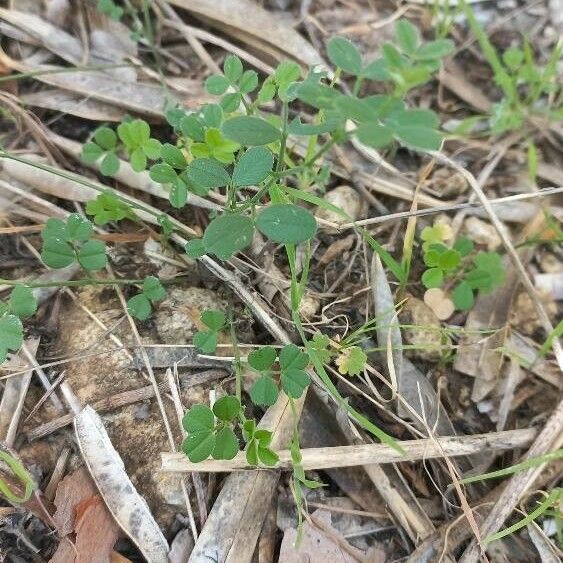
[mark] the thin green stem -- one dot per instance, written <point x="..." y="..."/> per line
<point x="80" y="283"/>
<point x="237" y="362"/>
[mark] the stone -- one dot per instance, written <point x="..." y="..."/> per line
<point x="177" y="316"/>
<point x="424" y="331"/>
<point x="482" y="232"/>
<point x="346" y="198"/>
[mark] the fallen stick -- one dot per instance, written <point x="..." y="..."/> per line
<point x="365" y="454"/>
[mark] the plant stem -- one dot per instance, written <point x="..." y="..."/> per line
<point x="80" y="283"/>
<point x="237" y="362"/>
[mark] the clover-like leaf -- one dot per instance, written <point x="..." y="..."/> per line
<point x="195" y="248"/>
<point x="139" y="307"/>
<point x="22" y="302"/>
<point x="206" y="341"/>
<point x="263" y="358"/>
<point x="153" y="289"/>
<point x="264" y="391"/>
<point x="228" y="234"/>
<point x="267" y="456"/>
<point x="253" y="167"/>
<point x="199" y="446"/>
<point x="199" y="418"/>
<point x="226" y="444"/>
<point x="227" y="408"/>
<point x="351" y="360"/>
<point x="78" y="227"/>
<point x="92" y="255"/>
<point x="434" y="277"/>
<point x="294" y="382"/>
<point x="345" y="55"/>
<point x="57" y="253"/>
<point x="213" y="319"/>
<point x="250" y="130"/>
<point x="11" y="335"/>
<point x="462" y="296"/>
<point x="292" y="357"/>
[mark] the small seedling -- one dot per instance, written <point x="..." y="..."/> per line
<point x="206" y="340"/>
<point x="139" y="306"/>
<point x="530" y="91"/>
<point x="459" y="266"/>
<point x="66" y="242"/>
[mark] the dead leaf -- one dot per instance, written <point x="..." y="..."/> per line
<point x="73" y="104"/>
<point x="83" y="519"/>
<point x="128" y="508"/>
<point x="232" y="16"/>
<point x="324" y="545"/>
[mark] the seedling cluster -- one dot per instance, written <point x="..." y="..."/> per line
<point x="459" y="266"/>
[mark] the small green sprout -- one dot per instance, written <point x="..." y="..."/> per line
<point x="66" y="242"/>
<point x="459" y="266"/>
<point x="139" y="306"/>
<point x="206" y="340"/>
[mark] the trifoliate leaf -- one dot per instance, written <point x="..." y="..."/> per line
<point x="57" y="253"/>
<point x="78" y="227"/>
<point x="162" y="173"/>
<point x="228" y="234"/>
<point x="195" y="248"/>
<point x="407" y="36"/>
<point x="250" y="131"/>
<point x="434" y="277"/>
<point x="253" y="167"/>
<point x="320" y="344"/>
<point x="11" y="335"/>
<point x="232" y="67"/>
<point x="216" y="84"/>
<point x="344" y="54"/>
<point x="207" y="173"/>
<point x="248" y="82"/>
<point x="199" y="418"/>
<point x="199" y="446"/>
<point x="173" y="156"/>
<point x="292" y="357"/>
<point x="294" y="382"/>
<point x="153" y="289"/>
<point x="105" y="137"/>
<point x="351" y="360"/>
<point x="462" y="296"/>
<point x="267" y="456"/>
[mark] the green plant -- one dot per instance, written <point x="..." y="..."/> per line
<point x="23" y="476"/>
<point x="458" y="265"/>
<point x="530" y="90"/>
<point x="111" y="9"/>
<point x="236" y="147"/>
<point x="65" y="242"/>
